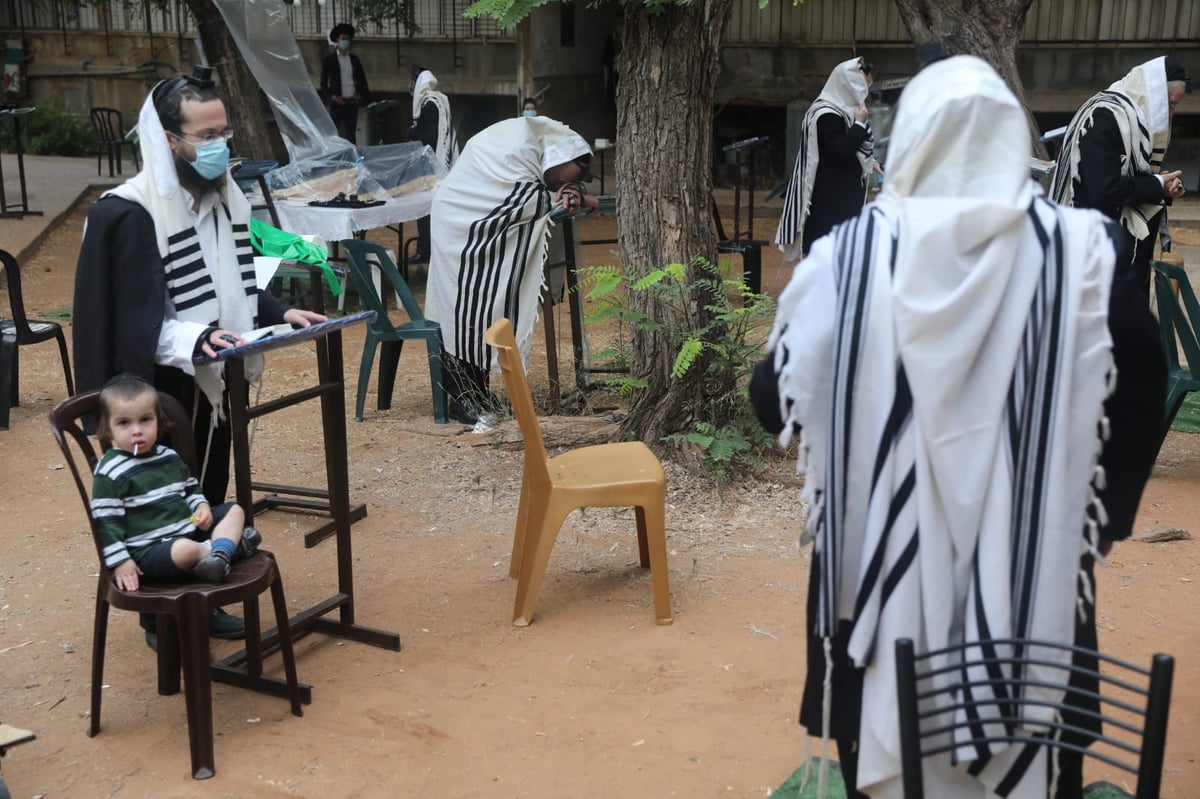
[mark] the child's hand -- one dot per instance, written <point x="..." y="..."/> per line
<point x="202" y="518"/>
<point x="126" y="575"/>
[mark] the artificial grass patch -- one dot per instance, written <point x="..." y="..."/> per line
<point x="1188" y="418"/>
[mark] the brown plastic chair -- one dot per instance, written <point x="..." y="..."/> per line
<point x="22" y="330"/>
<point x="182" y="609"/>
<point x="109" y="128"/>
<point x="620" y="475"/>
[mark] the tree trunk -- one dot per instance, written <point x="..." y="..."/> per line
<point x="245" y="104"/>
<point x="668" y="70"/>
<point x="989" y="29"/>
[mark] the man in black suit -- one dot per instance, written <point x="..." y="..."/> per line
<point x="343" y="82"/>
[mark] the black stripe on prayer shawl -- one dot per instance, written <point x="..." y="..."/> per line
<point x="474" y="274"/>
<point x="175" y="238"/>
<point x="178" y="253"/>
<point x="481" y="269"/>
<point x="1017" y="772"/>
<point x="1044" y="328"/>
<point x="524" y="245"/>
<point x="854" y="246"/>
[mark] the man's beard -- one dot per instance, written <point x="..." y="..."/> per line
<point x="193" y="181"/>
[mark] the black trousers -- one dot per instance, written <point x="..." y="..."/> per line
<point x="345" y="119"/>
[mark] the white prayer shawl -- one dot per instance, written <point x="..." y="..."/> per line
<point x="224" y="294"/>
<point x="489" y="233"/>
<point x="946" y="355"/>
<point x="1138" y="102"/>
<point x="845" y="90"/>
<point x="425" y="91"/>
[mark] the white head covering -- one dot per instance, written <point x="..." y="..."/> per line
<point x="942" y="353"/>
<point x="846" y="87"/>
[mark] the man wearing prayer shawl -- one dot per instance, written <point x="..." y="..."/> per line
<point x="489" y="236"/>
<point x="1112" y="154"/>
<point x="431" y="126"/>
<point x="166" y="272"/>
<point x="960" y="340"/>
<point x="835" y="158"/>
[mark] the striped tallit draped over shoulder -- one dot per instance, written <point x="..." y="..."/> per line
<point x="222" y="294"/>
<point x="844" y="91"/>
<point x="1138" y="103"/>
<point x="945" y="357"/>
<point x="489" y="233"/>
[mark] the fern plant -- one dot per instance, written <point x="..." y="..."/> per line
<point x="731" y="334"/>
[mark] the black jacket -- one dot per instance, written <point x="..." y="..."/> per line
<point x="838" y="190"/>
<point x="331" y="78"/>
<point x="120" y="296"/>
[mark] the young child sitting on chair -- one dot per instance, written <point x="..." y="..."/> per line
<point x="152" y="517"/>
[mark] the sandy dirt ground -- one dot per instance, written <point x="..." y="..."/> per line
<point x="592" y="700"/>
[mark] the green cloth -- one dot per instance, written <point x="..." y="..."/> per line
<point x="271" y="241"/>
<point x="791" y="788"/>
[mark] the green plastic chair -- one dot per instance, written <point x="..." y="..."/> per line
<point x="390" y="336"/>
<point x="1177" y="323"/>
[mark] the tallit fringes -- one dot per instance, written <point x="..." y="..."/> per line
<point x="1105" y="431"/>
<point x="826" y="718"/>
<point x="1099" y="478"/>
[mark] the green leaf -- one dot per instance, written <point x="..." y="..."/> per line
<point x="687" y="355"/>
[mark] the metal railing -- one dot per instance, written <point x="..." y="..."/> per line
<point x="433" y="19"/>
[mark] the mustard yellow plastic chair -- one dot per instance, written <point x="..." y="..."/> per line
<point x="602" y="476"/>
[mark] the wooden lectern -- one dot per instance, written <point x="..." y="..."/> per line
<point x="332" y="501"/>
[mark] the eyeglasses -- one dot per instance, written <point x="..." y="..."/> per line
<point x="214" y="138"/>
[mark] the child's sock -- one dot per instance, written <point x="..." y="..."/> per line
<point x="225" y="546"/>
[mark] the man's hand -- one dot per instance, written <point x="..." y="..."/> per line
<point x="219" y="339"/>
<point x="126" y="575"/>
<point x="338" y="99"/>
<point x="203" y="517"/>
<point x="1172" y="183"/>
<point x="298" y="317"/>
<point x="861" y="114"/>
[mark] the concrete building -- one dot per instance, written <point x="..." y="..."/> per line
<point x="773" y="63"/>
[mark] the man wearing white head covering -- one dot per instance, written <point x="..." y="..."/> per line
<point x="1112" y="154"/>
<point x="939" y="354"/>
<point x="490" y="234"/>
<point x="166" y="272"/>
<point x="432" y="126"/>
<point x="835" y="157"/>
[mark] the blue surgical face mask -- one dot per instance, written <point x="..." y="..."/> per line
<point x="343" y="44"/>
<point x="211" y="160"/>
<point x="529" y="112"/>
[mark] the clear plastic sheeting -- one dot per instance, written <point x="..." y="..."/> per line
<point x="368" y="174"/>
<point x="323" y="165"/>
<point x="275" y="60"/>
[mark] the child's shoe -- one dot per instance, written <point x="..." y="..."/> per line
<point x="212" y="568"/>
<point x="251" y="540"/>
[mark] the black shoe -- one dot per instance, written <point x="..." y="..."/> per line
<point x="212" y="568"/>
<point x="251" y="540"/>
<point x="222" y="625"/>
<point x="463" y="412"/>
